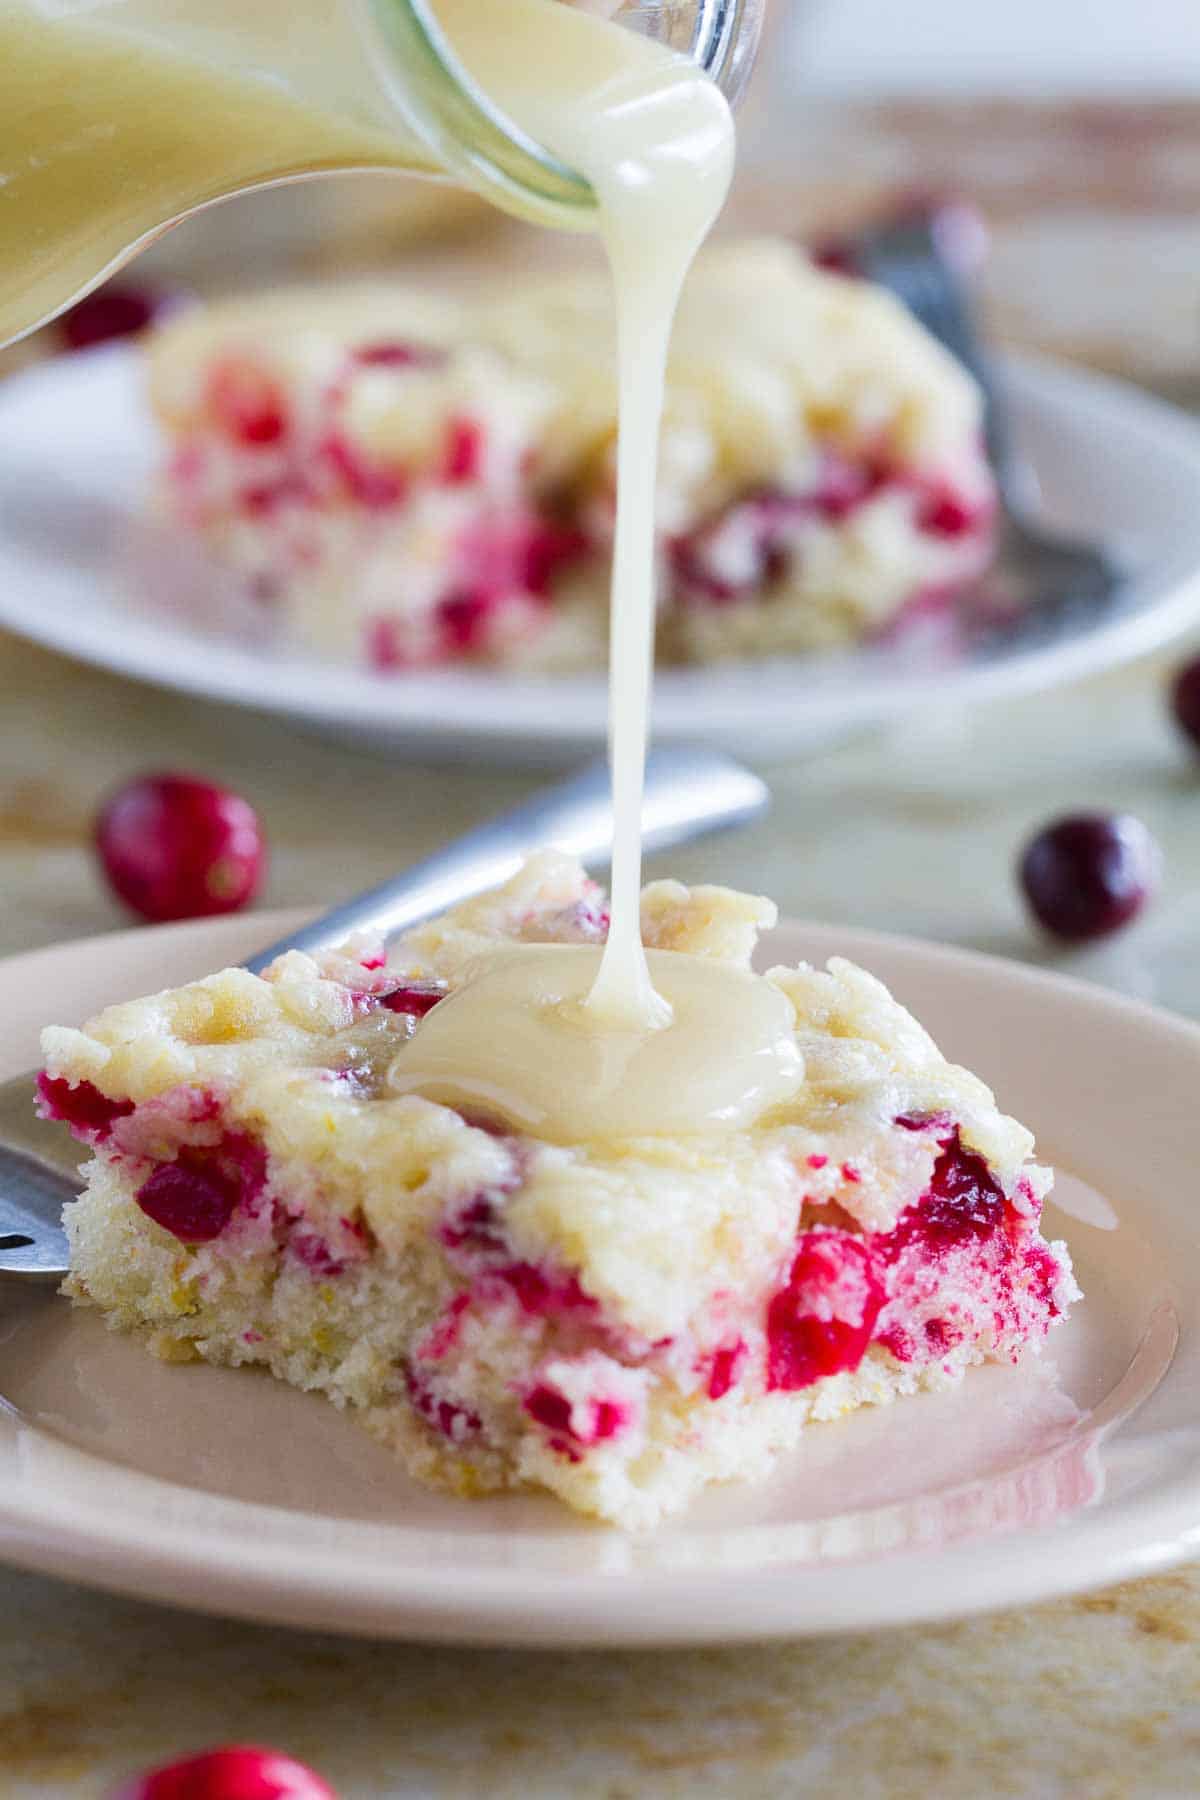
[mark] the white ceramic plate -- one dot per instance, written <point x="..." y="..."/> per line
<point x="222" y="1490"/>
<point x="79" y="573"/>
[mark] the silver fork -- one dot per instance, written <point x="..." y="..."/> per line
<point x="1048" y="583"/>
<point x="688" y="793"/>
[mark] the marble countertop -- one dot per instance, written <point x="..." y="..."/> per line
<point x="915" y="832"/>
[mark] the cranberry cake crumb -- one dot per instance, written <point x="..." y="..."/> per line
<point x="401" y="481"/>
<point x="619" y="1322"/>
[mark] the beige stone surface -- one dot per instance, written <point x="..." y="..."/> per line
<point x="1098" y="1697"/>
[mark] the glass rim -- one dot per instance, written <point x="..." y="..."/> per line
<point x="456" y="119"/>
<point x="473" y="137"/>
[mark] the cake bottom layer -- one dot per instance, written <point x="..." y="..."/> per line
<point x="487" y="1373"/>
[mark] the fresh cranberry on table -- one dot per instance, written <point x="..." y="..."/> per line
<point x="1089" y="874"/>
<point x="114" y="311"/>
<point x="179" y="847"/>
<point x="1185" y="700"/>
<point x="240" y="1772"/>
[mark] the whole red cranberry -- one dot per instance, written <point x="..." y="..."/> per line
<point x="1089" y="874"/>
<point x="179" y="847"/>
<point x="113" y="311"/>
<point x="1185" y="700"/>
<point x="239" y="1772"/>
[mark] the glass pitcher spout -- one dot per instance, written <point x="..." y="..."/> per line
<point x="119" y="119"/>
<point x="469" y="136"/>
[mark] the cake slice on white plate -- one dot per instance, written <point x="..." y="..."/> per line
<point x="619" y="1322"/>
<point x="402" y="480"/>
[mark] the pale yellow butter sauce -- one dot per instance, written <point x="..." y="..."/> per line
<point x="655" y="139"/>
<point x="520" y="1043"/>
<point x="107" y="133"/>
<point x="568" y="1043"/>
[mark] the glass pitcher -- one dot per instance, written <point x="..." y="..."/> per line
<point x="120" y="117"/>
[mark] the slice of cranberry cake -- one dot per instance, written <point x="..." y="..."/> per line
<point x="620" y="1322"/>
<point x="402" y="481"/>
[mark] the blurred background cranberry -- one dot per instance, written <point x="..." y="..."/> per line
<point x="116" y="310"/>
<point x="1185" y="700"/>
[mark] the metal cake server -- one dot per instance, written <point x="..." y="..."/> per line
<point x="688" y="793"/>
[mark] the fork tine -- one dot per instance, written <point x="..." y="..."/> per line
<point x="32" y="1196"/>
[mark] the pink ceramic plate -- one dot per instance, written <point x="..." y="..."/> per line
<point x="221" y="1490"/>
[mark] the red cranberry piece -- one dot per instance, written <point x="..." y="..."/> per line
<point x="247" y="404"/>
<point x="238" y="1772"/>
<point x="385" y="648"/>
<point x="266" y="499"/>
<point x="1185" y="700"/>
<point x="454" y="1422"/>
<point x="465" y="443"/>
<point x="520" y="553"/>
<point x="1046" y="1271"/>
<point x="733" y="554"/>
<point x="944" y="513"/>
<point x="823" y="1320"/>
<point x="608" y="1418"/>
<point x="314" y="1254"/>
<point x="965" y="1199"/>
<point x="1089" y="874"/>
<point x="837" y="256"/>
<point x="399" y="355"/>
<point x="692" y="563"/>
<point x="843" y="486"/>
<point x="550" y="548"/>
<point x="751" y="543"/>
<point x="193" y="1199"/>
<point x="443" y="1334"/>
<point x="464" y="619"/>
<point x="546" y="1406"/>
<point x="965" y="1203"/>
<point x="726" y="1368"/>
<point x="415" y="997"/>
<point x="366" y="483"/>
<point x="179" y="847"/>
<point x="544" y="1295"/>
<point x="551" y="1409"/>
<point x="87" y="1113"/>
<point x="921" y="1121"/>
<point x="473" y="1224"/>
<point x="111" y="312"/>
